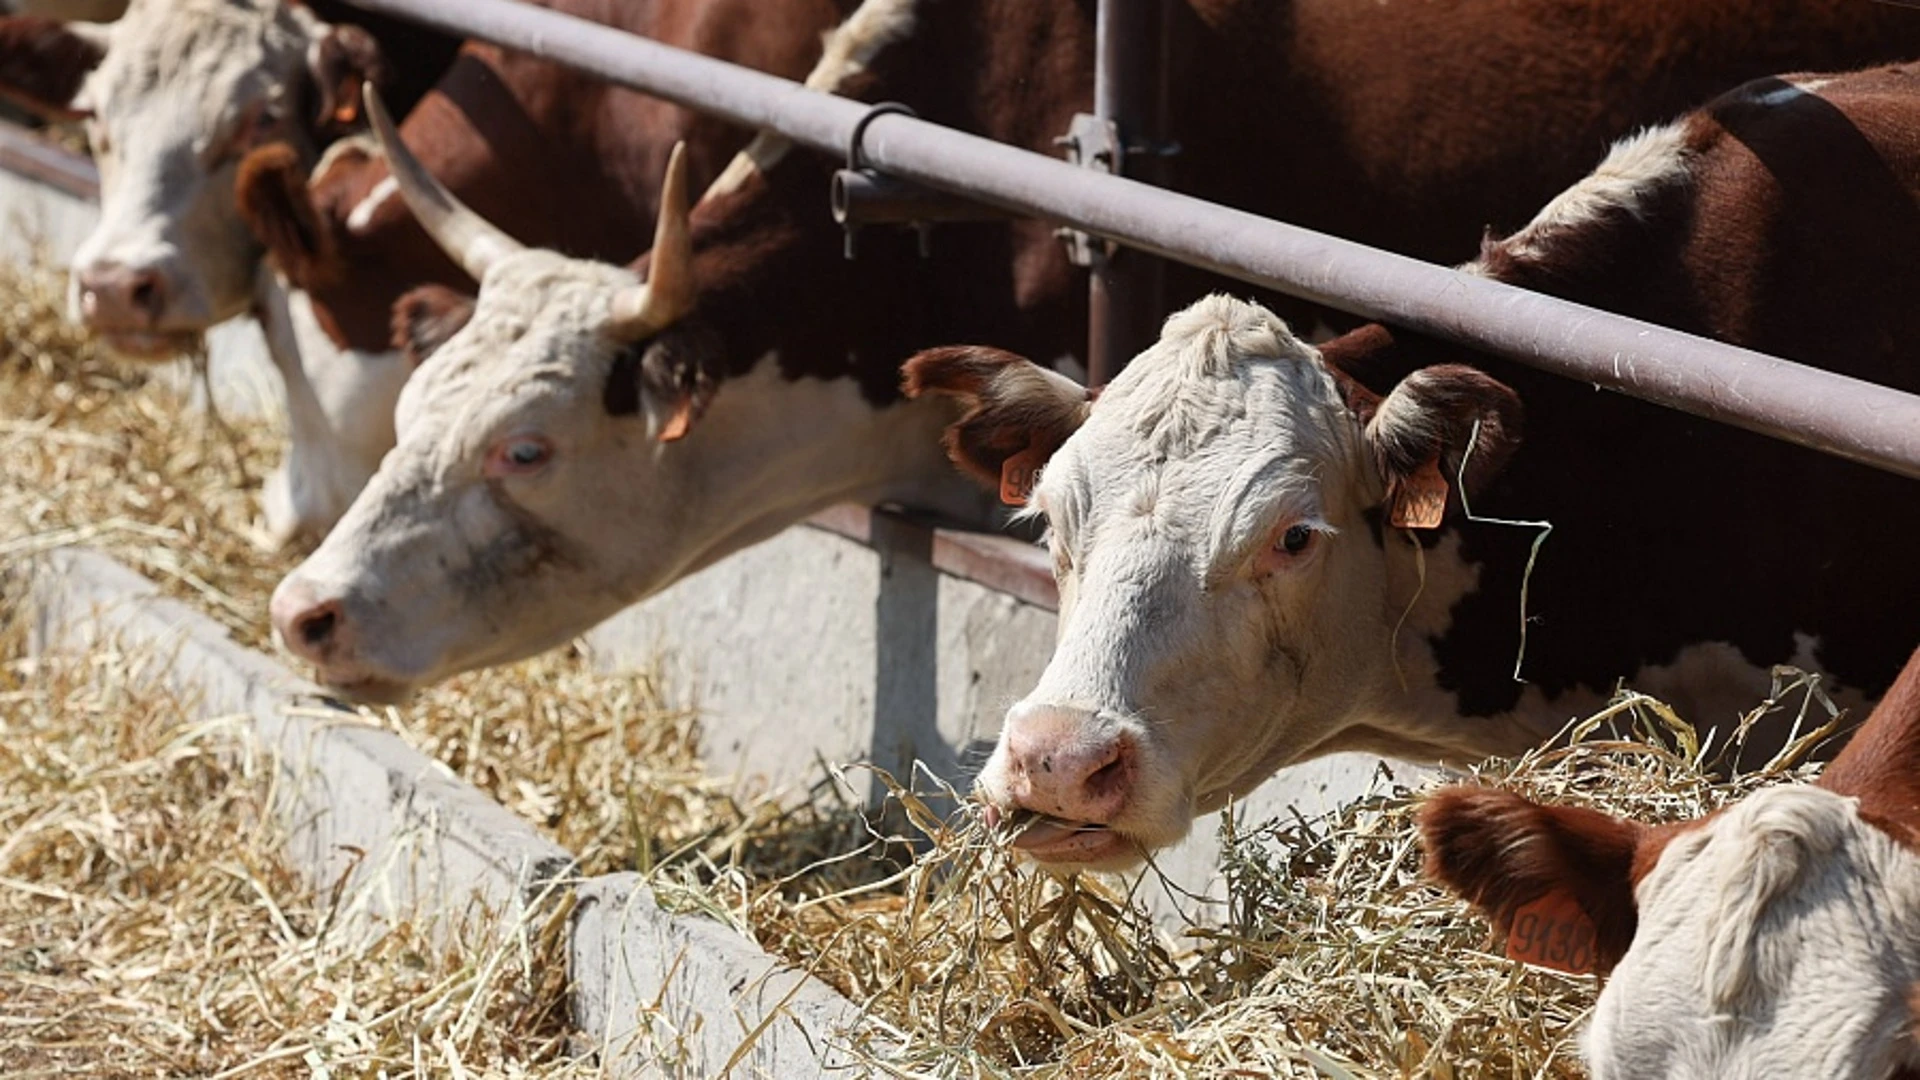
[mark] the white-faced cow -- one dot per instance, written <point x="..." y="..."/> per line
<point x="783" y="329"/>
<point x="1779" y="936"/>
<point x="174" y="94"/>
<point x="1237" y="596"/>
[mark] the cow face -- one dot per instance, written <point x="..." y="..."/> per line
<point x="1777" y="938"/>
<point x="1229" y="602"/>
<point x="552" y="465"/>
<point x="174" y="93"/>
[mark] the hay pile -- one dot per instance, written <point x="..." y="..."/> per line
<point x="149" y="928"/>
<point x="1337" y="960"/>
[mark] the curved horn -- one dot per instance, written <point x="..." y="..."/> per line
<point x="668" y="294"/>
<point x="467" y="238"/>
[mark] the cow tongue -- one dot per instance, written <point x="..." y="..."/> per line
<point x="1040" y="830"/>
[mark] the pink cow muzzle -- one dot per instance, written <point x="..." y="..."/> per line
<point x="1068" y="777"/>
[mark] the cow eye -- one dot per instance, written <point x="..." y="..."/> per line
<point x="519" y="455"/>
<point x="1295" y="540"/>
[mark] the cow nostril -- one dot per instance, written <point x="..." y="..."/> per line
<point x="145" y="293"/>
<point x="317" y="628"/>
<point x="1107" y="777"/>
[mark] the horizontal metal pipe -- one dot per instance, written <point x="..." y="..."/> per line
<point x="861" y="198"/>
<point x="1834" y="413"/>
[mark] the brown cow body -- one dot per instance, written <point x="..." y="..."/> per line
<point x="571" y="162"/>
<point x="1781" y="217"/>
<point x="1411" y="126"/>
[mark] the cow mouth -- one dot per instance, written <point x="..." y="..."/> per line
<point x="150" y="344"/>
<point x="1056" y="840"/>
<point x="369" y="689"/>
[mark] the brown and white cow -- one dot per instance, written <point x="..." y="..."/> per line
<point x="174" y="94"/>
<point x="1236" y="595"/>
<point x="1779" y="936"/>
<point x="589" y="448"/>
<point x="789" y="401"/>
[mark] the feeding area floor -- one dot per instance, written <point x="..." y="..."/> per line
<point x="147" y="926"/>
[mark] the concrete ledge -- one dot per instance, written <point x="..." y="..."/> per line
<point x="656" y="988"/>
<point x="652" y="991"/>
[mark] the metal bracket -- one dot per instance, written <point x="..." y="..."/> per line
<point x="857" y="163"/>
<point x="1091" y="142"/>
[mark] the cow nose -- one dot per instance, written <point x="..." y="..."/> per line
<point x="113" y="295"/>
<point x="314" y="629"/>
<point x="1061" y="762"/>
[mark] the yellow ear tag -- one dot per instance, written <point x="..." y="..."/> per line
<point x="1419" y="499"/>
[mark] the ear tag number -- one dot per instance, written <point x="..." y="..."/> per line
<point x="1553" y="932"/>
<point x="1018" y="475"/>
<point x="1419" y="499"/>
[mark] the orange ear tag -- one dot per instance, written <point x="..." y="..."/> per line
<point x="1018" y="475"/>
<point x="1553" y="932"/>
<point x="1419" y="499"/>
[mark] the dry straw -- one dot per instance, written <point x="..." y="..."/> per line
<point x="137" y="938"/>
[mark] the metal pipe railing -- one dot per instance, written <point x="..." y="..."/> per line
<point x="1833" y="413"/>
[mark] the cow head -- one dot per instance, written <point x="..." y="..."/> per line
<point x="560" y="454"/>
<point x="1230" y="601"/>
<point x="1776" y="938"/>
<point x="174" y="94"/>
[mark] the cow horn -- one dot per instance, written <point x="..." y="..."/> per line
<point x="468" y="239"/>
<point x="643" y="310"/>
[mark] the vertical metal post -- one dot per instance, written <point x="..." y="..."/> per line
<point x="1130" y="94"/>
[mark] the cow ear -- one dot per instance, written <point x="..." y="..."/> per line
<point x="1433" y="421"/>
<point x="44" y="62"/>
<point x="1017" y="412"/>
<point x="426" y="318"/>
<point x="1556" y="881"/>
<point x="274" y="200"/>
<point x="342" y="60"/>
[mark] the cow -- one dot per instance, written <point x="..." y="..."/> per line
<point x="174" y="95"/>
<point x="500" y="126"/>
<point x="1261" y="559"/>
<point x="1778" y="936"/>
<point x="770" y="331"/>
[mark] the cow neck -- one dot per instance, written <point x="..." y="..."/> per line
<point x="773" y="280"/>
<point x="1881" y="763"/>
<point x="416" y="55"/>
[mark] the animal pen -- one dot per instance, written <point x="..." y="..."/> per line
<point x="644" y="975"/>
